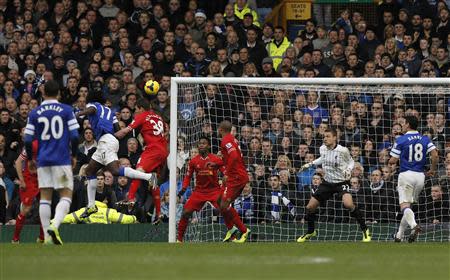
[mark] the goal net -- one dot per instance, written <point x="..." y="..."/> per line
<point x="280" y="124"/>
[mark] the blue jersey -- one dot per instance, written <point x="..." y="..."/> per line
<point x="102" y="121"/>
<point x="412" y="149"/>
<point x="319" y="114"/>
<point x="54" y="126"/>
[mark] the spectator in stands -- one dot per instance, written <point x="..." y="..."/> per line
<point x="278" y="200"/>
<point x="121" y="188"/>
<point x="245" y="204"/>
<point x="104" y="193"/>
<point x="278" y="46"/>
<point x="438" y="210"/>
<point x="379" y="191"/>
<point x="319" y="114"/>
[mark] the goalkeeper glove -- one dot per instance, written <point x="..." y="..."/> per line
<point x="305" y="166"/>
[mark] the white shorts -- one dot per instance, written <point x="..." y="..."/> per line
<point x="55" y="177"/>
<point x="107" y="148"/>
<point x="410" y="184"/>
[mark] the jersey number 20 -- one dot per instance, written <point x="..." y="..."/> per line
<point x="415" y="152"/>
<point x="53" y="127"/>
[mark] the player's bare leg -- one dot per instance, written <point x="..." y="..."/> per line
<point x="310" y="217"/>
<point x="347" y="200"/>
<point x="183" y="224"/>
<point x="91" y="174"/>
<point x="408" y="219"/>
<point x="228" y="212"/>
<point x="62" y="208"/>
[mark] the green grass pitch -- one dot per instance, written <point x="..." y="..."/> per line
<point x="226" y="261"/>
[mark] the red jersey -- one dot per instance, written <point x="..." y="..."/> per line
<point x="152" y="129"/>
<point x="206" y="176"/>
<point x="234" y="163"/>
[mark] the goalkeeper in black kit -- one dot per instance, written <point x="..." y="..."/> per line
<point x="337" y="165"/>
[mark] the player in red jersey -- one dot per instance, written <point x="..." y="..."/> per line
<point x="234" y="182"/>
<point x="28" y="190"/>
<point x="207" y="188"/>
<point x="155" y="152"/>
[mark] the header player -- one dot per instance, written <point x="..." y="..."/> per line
<point x="337" y="164"/>
<point x="155" y="153"/>
<point x="104" y="122"/>
<point x="411" y="149"/>
<point x="56" y="129"/>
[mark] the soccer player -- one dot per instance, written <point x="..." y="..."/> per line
<point x="411" y="149"/>
<point x="233" y="182"/>
<point x="56" y="129"/>
<point x="207" y="188"/>
<point x="337" y="164"/>
<point x="28" y="191"/>
<point x="104" y="122"/>
<point x="155" y="153"/>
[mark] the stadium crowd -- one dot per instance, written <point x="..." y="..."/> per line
<point x="114" y="46"/>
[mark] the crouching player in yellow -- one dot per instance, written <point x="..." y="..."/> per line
<point x="104" y="215"/>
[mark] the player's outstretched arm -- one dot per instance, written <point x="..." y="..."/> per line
<point x="315" y="162"/>
<point x="123" y="132"/>
<point x="88" y="111"/>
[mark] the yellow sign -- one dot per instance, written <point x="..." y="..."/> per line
<point x="298" y="10"/>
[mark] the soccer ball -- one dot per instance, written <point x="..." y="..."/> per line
<point x="151" y="87"/>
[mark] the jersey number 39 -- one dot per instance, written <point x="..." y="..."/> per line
<point x="158" y="127"/>
<point x="52" y="128"/>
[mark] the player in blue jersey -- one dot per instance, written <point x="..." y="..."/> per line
<point x="411" y="150"/>
<point x="104" y="123"/>
<point x="55" y="127"/>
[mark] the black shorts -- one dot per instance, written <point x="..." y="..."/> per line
<point x="327" y="190"/>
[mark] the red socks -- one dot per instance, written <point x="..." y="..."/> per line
<point x="155" y="194"/>
<point x="20" y="221"/>
<point x="157" y="200"/>
<point x="133" y="189"/>
<point x="232" y="217"/>
<point x="19" y="225"/>
<point x="182" y="225"/>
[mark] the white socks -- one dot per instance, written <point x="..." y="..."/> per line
<point x="402" y="228"/>
<point x="45" y="213"/>
<point x="407" y="220"/>
<point x="408" y="215"/>
<point x="91" y="191"/>
<point x="61" y="211"/>
<point x="135" y="174"/>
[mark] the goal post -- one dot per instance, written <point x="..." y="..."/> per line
<point x="327" y="89"/>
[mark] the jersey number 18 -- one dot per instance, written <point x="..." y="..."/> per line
<point x="415" y="152"/>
